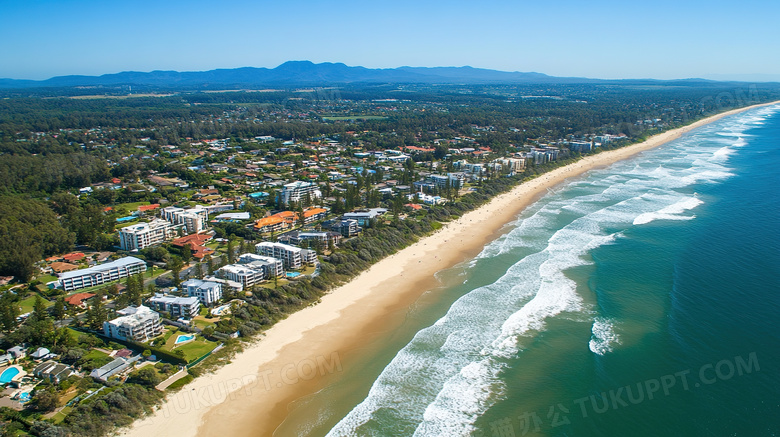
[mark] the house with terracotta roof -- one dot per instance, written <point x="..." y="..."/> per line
<point x="75" y="256"/>
<point x="192" y="239"/>
<point x="60" y="267"/>
<point x="79" y="299"/>
<point x="196" y="244"/>
<point x="273" y="223"/>
<point x="314" y="214"/>
<point x="145" y="208"/>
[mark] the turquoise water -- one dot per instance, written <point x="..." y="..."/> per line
<point x="184" y="338"/>
<point x="639" y="300"/>
<point x="293" y="274"/>
<point x="8" y="375"/>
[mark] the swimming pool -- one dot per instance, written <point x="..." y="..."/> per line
<point x="8" y="375"/>
<point x="24" y="397"/>
<point x="293" y="274"/>
<point x="184" y="338"/>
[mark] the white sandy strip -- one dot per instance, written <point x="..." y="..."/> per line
<point x="256" y="377"/>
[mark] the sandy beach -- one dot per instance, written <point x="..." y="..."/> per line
<point x="250" y="395"/>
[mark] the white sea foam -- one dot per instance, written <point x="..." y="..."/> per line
<point x="671" y="212"/>
<point x="604" y="337"/>
<point x="450" y="373"/>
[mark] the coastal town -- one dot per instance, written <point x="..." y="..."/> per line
<point x="185" y="241"/>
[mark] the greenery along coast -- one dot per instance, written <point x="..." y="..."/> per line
<point x="78" y="165"/>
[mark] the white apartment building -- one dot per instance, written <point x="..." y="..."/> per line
<point x="208" y="292"/>
<point x="293" y="257"/>
<point x="102" y="273"/>
<point x="515" y="165"/>
<point x="139" y="324"/>
<point x="298" y="190"/>
<point x="193" y="219"/>
<point x="455" y="180"/>
<point x="273" y="266"/>
<point x="242" y="274"/>
<point x="142" y="235"/>
<point x="252" y="269"/>
<point x="177" y="307"/>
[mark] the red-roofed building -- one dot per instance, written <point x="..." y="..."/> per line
<point x="152" y="207"/>
<point x="123" y="353"/>
<point x="115" y="181"/>
<point x="79" y="299"/>
<point x="75" y="256"/>
<point x="196" y="244"/>
<point x="314" y="214"/>
<point x="196" y="239"/>
<point x="59" y="267"/>
<point x="414" y="206"/>
<point x="198" y="252"/>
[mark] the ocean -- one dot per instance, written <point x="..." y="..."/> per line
<point x="641" y="299"/>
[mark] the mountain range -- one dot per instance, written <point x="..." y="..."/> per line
<point x="298" y="73"/>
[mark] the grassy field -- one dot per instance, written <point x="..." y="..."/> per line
<point x="46" y="278"/>
<point x="202" y="322"/>
<point x="192" y="350"/>
<point x="60" y="416"/>
<point x="124" y="209"/>
<point x="27" y="305"/>
<point x="126" y="224"/>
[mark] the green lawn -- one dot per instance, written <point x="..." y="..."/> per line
<point x="46" y="278"/>
<point x="124" y="209"/>
<point x="27" y="305"/>
<point x="95" y="355"/>
<point x="59" y="417"/>
<point x="192" y="350"/>
<point x="126" y="224"/>
<point x="73" y="334"/>
<point x="94" y="359"/>
<point x="202" y="322"/>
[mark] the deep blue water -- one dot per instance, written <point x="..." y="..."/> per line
<point x="639" y="300"/>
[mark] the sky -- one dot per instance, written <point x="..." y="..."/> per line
<point x="661" y="39"/>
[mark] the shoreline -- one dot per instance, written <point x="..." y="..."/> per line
<point x="295" y="357"/>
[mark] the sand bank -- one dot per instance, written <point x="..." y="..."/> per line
<point x="249" y="396"/>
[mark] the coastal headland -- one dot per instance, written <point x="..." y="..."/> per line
<point x="250" y="395"/>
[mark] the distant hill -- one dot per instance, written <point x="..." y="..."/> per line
<point x="306" y="73"/>
<point x="296" y="73"/>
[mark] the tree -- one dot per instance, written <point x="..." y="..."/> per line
<point x="199" y="270"/>
<point x="39" y="309"/>
<point x="231" y="253"/>
<point x="146" y="376"/>
<point x="96" y="314"/>
<point x="174" y="265"/>
<point x="9" y="310"/>
<point x="45" y="399"/>
<point x="300" y="215"/>
<point x="59" y="309"/>
<point x="186" y="253"/>
<point x="209" y="265"/>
